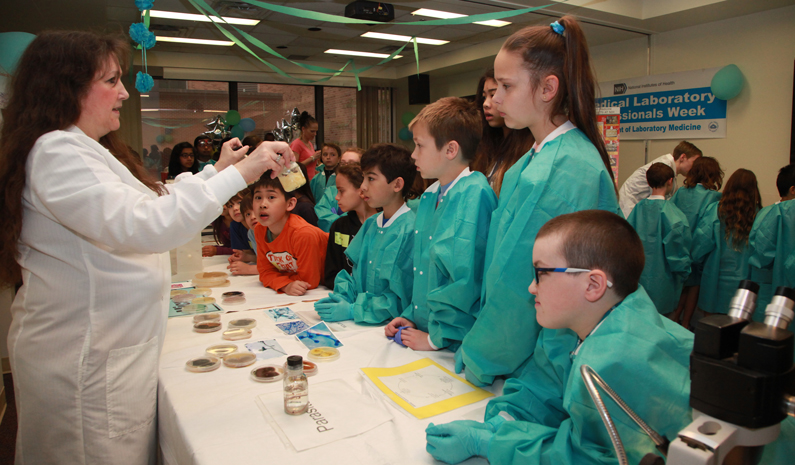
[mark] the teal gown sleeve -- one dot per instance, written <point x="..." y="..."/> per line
<point x="318" y="184"/>
<point x="567" y="175"/>
<point x="449" y="249"/>
<point x="380" y="284"/>
<point x="326" y="208"/>
<point x="677" y="242"/>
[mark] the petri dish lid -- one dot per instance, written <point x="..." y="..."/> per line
<point x="203" y="364"/>
<point x="207" y="326"/>
<point x="203" y="301"/>
<point x="236" y="334"/>
<point x="206" y="317"/>
<point x="178" y="292"/>
<point x="202" y="291"/>
<point x="323" y="354"/>
<point x="221" y="350"/>
<point x="267" y="373"/>
<point x="239" y="359"/>
<point x="183" y="297"/>
<point x="194" y="308"/>
<point x="211" y="275"/>
<point x="246" y="323"/>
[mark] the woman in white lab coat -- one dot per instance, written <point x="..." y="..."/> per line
<point x="87" y="234"/>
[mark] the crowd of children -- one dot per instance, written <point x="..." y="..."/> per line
<point x="452" y="272"/>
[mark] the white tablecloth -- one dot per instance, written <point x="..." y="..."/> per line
<point x="213" y="418"/>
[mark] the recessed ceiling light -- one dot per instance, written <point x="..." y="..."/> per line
<point x="360" y="54"/>
<point x="144" y="95"/>
<point x="150" y="109"/>
<point x="183" y="40"/>
<point x="202" y="18"/>
<point x="448" y="15"/>
<point x="398" y="38"/>
<point x="215" y="111"/>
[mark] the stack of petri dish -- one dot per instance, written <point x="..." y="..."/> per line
<point x="211" y="279"/>
<point x="245" y="323"/>
<point x="233" y="298"/>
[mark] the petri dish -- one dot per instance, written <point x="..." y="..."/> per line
<point x="233" y="298"/>
<point x="206" y="317"/>
<point x="183" y="298"/>
<point x="194" y="308"/>
<point x="221" y="350"/>
<point x="203" y="301"/>
<point x="207" y="326"/>
<point x="236" y="334"/>
<point x="323" y="354"/>
<point x="202" y="291"/>
<point x="240" y="359"/>
<point x="178" y="292"/>
<point x="310" y="368"/>
<point x="246" y="323"/>
<point x="203" y="364"/>
<point x="267" y="373"/>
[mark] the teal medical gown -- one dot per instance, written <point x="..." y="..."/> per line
<point x="693" y="202"/>
<point x="665" y="234"/>
<point x="565" y="176"/>
<point x="724" y="267"/>
<point x="449" y="247"/>
<point x="381" y="281"/>
<point x="318" y="183"/>
<point x="643" y="356"/>
<point x="772" y="243"/>
<point x="326" y="208"/>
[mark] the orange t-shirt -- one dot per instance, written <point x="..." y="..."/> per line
<point x="297" y="254"/>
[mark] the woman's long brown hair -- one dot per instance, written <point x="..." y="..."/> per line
<point x="738" y="207"/>
<point x="53" y="77"/>
<point x="545" y="52"/>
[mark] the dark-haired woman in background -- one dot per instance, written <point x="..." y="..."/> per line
<point x="500" y="146"/>
<point x="303" y="147"/>
<point x="183" y="159"/>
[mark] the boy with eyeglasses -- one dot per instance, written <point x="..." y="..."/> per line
<point x="593" y="312"/>
<point x="204" y="150"/>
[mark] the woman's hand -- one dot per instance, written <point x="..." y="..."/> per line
<point x="231" y="152"/>
<point x="268" y="156"/>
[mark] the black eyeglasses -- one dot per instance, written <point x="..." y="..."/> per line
<point x="186" y="155"/>
<point x="564" y="270"/>
<point x="204" y="142"/>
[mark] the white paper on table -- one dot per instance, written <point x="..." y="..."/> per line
<point x="336" y="411"/>
<point x="425" y="386"/>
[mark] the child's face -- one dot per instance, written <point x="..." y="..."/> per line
<point x="376" y="191"/>
<point x="348" y="197"/>
<point x="430" y="161"/>
<point x="489" y="108"/>
<point x="186" y="158"/>
<point x="350" y="157"/>
<point x="234" y="210"/>
<point x="516" y="100"/>
<point x="250" y="219"/>
<point x="204" y="147"/>
<point x="330" y="157"/>
<point x="270" y="205"/>
<point x="559" y="296"/>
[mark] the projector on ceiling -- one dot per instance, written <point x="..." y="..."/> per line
<point x="370" y="11"/>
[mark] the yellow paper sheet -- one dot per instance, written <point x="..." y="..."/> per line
<point x="424" y="388"/>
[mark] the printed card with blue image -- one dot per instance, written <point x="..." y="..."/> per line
<point x="281" y="314"/>
<point x="266" y="349"/>
<point x="292" y="327"/>
<point x="318" y="336"/>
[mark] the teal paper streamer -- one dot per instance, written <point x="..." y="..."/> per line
<point x="416" y="55"/>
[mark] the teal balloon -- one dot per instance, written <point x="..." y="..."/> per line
<point x="407" y="117"/>
<point x="405" y="134"/>
<point x="168" y="138"/>
<point x="238" y="132"/>
<point x="232" y="117"/>
<point x="160" y="138"/>
<point x="247" y="124"/>
<point x="12" y="45"/>
<point x="727" y="83"/>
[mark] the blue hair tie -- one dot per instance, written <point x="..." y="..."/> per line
<point x="557" y="27"/>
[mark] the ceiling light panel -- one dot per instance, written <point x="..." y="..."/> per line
<point x="186" y="40"/>
<point x="202" y="18"/>
<point x="360" y="54"/>
<point x="448" y="15"/>
<point x="399" y="38"/>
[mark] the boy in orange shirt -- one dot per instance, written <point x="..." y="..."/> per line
<point x="291" y="253"/>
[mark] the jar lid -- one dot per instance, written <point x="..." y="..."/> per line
<point x="236" y="334"/>
<point x="202" y="291"/>
<point x="206" y="317"/>
<point x="310" y="368"/>
<point x="203" y="301"/>
<point x="247" y="323"/>
<point x="267" y="373"/>
<point x="203" y="364"/>
<point x="324" y="354"/>
<point x="221" y="350"/>
<point x="239" y="359"/>
<point x="207" y="326"/>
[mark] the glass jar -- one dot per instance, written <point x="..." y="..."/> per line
<point x="296" y="387"/>
<point x="292" y="177"/>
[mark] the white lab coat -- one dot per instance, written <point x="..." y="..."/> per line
<point x="89" y="321"/>
<point x="636" y="188"/>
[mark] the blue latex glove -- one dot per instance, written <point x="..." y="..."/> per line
<point x="459" y="440"/>
<point x="334" y="308"/>
<point x="397" y="337"/>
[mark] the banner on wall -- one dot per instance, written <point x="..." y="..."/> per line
<point x="608" y="120"/>
<point x="667" y="106"/>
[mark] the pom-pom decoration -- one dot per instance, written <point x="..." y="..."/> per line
<point x="144" y="82"/>
<point x="144" y="5"/>
<point x="143" y="36"/>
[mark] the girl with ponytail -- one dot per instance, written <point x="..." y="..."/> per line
<point x="545" y="83"/>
